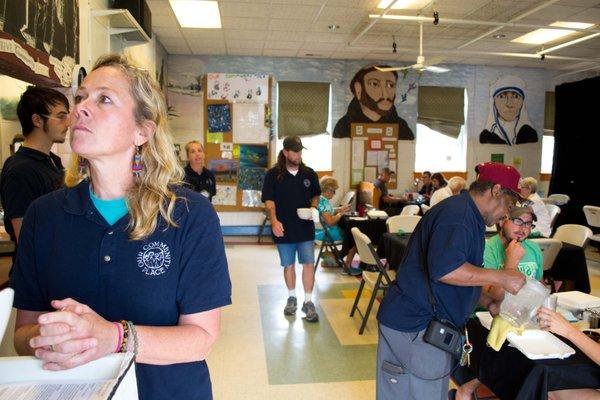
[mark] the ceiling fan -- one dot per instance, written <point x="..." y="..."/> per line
<point x="421" y="65"/>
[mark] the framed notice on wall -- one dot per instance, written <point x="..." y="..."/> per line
<point x="374" y="146"/>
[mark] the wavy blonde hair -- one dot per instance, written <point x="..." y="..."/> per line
<point x="151" y="194"/>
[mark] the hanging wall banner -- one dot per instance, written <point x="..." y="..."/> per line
<point x="238" y="88"/>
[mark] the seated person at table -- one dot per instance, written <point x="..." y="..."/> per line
<point x="554" y="322"/>
<point x="391" y="204"/>
<point x="454" y="187"/>
<point x="426" y="187"/>
<point x="528" y="191"/>
<point x="328" y="187"/>
<point x="509" y="249"/>
<point x="438" y="181"/>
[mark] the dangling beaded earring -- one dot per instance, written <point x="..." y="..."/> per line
<point x="136" y="167"/>
<point x="82" y="165"/>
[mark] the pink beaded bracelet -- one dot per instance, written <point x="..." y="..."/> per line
<point x="120" y="331"/>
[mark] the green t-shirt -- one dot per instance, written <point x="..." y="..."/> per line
<point x="531" y="264"/>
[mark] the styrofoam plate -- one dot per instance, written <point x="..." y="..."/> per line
<point x="537" y="345"/>
<point x="577" y="300"/>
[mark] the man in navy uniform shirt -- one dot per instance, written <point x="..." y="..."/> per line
<point x="449" y="241"/>
<point x="288" y="186"/>
<point x="197" y="177"/>
<point x="34" y="170"/>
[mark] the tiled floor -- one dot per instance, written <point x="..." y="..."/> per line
<point x="262" y="354"/>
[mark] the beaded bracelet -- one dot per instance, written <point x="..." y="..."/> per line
<point x="134" y="341"/>
<point x="125" y="326"/>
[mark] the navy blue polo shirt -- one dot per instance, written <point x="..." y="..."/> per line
<point x="290" y="193"/>
<point x="67" y="249"/>
<point x="203" y="182"/>
<point x="450" y="234"/>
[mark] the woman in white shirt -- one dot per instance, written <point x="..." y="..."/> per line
<point x="454" y="186"/>
<point x="528" y="191"/>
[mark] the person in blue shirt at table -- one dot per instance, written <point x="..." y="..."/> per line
<point x="448" y="243"/>
<point x="125" y="258"/>
<point x="329" y="186"/>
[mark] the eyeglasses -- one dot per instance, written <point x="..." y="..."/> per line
<point x="519" y="222"/>
<point x="59" y="117"/>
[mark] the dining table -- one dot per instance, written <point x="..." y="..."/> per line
<point x="392" y="247"/>
<point x="511" y="375"/>
<point x="373" y="228"/>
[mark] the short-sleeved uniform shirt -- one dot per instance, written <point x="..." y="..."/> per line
<point x="531" y="265"/>
<point x="334" y="231"/>
<point x="67" y="249"/>
<point x="450" y="234"/>
<point x="27" y="175"/>
<point x="381" y="186"/>
<point x="289" y="194"/>
<point x="203" y="183"/>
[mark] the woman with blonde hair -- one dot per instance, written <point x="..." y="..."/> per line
<point x="329" y="185"/>
<point x="124" y="258"/>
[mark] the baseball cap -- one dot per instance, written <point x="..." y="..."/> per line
<point x="516" y="212"/>
<point x="506" y="176"/>
<point x="293" y="143"/>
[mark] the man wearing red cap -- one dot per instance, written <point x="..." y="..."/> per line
<point x="439" y="282"/>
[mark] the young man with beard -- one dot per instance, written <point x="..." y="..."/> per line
<point x="199" y="178"/>
<point x="374" y="94"/>
<point x="34" y="170"/>
<point x="288" y="186"/>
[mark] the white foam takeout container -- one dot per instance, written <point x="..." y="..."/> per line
<point x="535" y="344"/>
<point x="577" y="301"/>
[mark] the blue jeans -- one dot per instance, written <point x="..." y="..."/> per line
<point x="287" y="253"/>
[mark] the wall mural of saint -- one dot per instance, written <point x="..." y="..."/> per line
<point x="374" y="94"/>
<point x="508" y="122"/>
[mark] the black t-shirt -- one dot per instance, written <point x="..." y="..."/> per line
<point x="290" y="193"/>
<point x="203" y="183"/>
<point x="27" y="175"/>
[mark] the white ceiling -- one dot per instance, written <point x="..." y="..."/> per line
<point x="300" y="28"/>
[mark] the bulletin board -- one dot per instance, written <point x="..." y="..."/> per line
<point x="237" y="133"/>
<point x="374" y="146"/>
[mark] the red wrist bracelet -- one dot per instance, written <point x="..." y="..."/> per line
<point x="120" y="341"/>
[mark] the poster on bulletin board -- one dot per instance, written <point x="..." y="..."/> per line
<point x="237" y="131"/>
<point x="374" y="146"/>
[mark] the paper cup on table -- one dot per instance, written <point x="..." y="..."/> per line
<point x="304" y="213"/>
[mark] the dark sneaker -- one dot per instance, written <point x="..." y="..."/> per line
<point x="291" y="306"/>
<point x="308" y="308"/>
<point x="354" y="271"/>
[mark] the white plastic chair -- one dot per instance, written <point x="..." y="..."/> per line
<point x="424" y="208"/>
<point x="577" y="235"/>
<point x="559" y="199"/>
<point x="411" y="209"/>
<point x="377" y="281"/>
<point x="550" y="249"/>
<point x="405" y="222"/>
<point x="592" y="216"/>
<point x="546" y="200"/>
<point x="492" y="228"/>
<point x="553" y="211"/>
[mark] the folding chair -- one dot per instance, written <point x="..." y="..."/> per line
<point x="559" y="199"/>
<point x="550" y="249"/>
<point x="592" y="216"/>
<point x="377" y="281"/>
<point x="553" y="211"/>
<point x="577" y="235"/>
<point x="411" y="209"/>
<point x="328" y="244"/>
<point x="405" y="222"/>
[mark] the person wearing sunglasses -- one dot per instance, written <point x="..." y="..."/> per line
<point x="34" y="170"/>
<point x="509" y="250"/>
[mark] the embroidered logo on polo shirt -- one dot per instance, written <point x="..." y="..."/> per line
<point x="307" y="182"/>
<point x="154" y="259"/>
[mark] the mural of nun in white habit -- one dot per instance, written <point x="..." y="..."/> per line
<point x="508" y="122"/>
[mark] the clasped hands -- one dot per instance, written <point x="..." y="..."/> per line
<point x="73" y="335"/>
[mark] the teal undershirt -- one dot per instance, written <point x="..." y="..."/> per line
<point x="111" y="210"/>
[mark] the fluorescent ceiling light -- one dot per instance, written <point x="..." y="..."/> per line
<point x="404" y="4"/>
<point x="542" y="36"/>
<point x="197" y="14"/>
